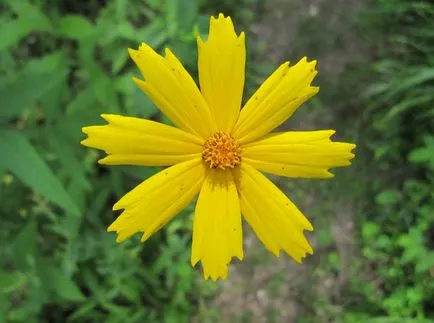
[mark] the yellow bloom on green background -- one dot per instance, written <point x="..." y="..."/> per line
<point x="218" y="151"/>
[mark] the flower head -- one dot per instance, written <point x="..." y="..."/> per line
<point x="218" y="151"/>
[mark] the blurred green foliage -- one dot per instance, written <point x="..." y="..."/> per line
<point x="397" y="235"/>
<point x="62" y="64"/>
<point x="386" y="103"/>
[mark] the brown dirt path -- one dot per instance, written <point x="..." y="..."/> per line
<point x="263" y="288"/>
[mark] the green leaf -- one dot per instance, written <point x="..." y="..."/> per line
<point x="21" y="158"/>
<point x="370" y="229"/>
<point x="417" y="77"/>
<point x="84" y="311"/>
<point x="172" y="9"/>
<point x="143" y="104"/>
<point x="24" y="245"/>
<point x="422" y="154"/>
<point x="26" y="90"/>
<point x="65" y="287"/>
<point x="186" y="15"/>
<point x="120" y="57"/>
<point x="12" y="32"/>
<point x="30" y="19"/>
<point x="394" y="319"/>
<point x="388" y="197"/>
<point x="54" y="62"/>
<point x="121" y="10"/>
<point x="154" y="34"/>
<point x="408" y="104"/>
<point x="127" y="31"/>
<point x="76" y="27"/>
<point x="10" y="281"/>
<point x="82" y="101"/>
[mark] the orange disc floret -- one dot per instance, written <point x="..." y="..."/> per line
<point x="221" y="151"/>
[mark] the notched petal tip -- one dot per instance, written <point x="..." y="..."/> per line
<point x="112" y="227"/>
<point x="138" y="81"/>
<point x="143" y="46"/>
<point x="145" y="236"/>
<point x="86" y="142"/>
<point x="221" y="18"/>
<point x="241" y="38"/>
<point x="134" y="53"/>
<point x="120" y="238"/>
<point x="308" y="227"/>
<point x="194" y="259"/>
<point x="199" y="41"/>
<point x="331" y="133"/>
<point x="308" y="251"/>
<point x="328" y="175"/>
<point x="307" y="64"/>
<point x="216" y="276"/>
<point x="275" y="252"/>
<point x="168" y="52"/>
<point x="107" y="116"/>
<point x="141" y="84"/>
<point x="143" y="52"/>
<point x="314" y="89"/>
<point x="103" y="161"/>
<point x="220" y="272"/>
<point x="86" y="129"/>
<point x="118" y="206"/>
<point x="222" y="24"/>
<point x="298" y="260"/>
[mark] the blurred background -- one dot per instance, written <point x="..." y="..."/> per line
<point x="62" y="63"/>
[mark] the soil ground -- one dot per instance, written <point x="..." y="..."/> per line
<point x="263" y="288"/>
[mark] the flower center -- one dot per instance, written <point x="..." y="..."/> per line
<point x="221" y="151"/>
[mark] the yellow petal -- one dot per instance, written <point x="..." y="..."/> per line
<point x="173" y="90"/>
<point x="298" y="154"/>
<point x="275" y="219"/>
<point x="153" y="203"/>
<point x="135" y="141"/>
<point x="276" y="100"/>
<point x="222" y="61"/>
<point x="217" y="231"/>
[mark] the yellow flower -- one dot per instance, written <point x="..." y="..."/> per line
<point x="216" y="151"/>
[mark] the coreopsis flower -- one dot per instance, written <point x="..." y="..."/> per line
<point x="218" y="151"/>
